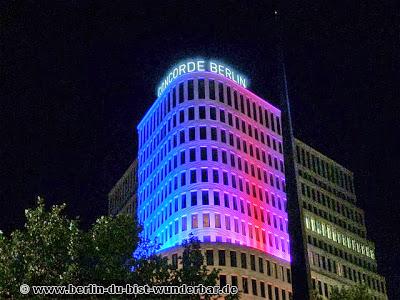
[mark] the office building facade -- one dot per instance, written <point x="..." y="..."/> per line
<point x="210" y="164"/>
<point x="338" y="249"/>
<point x="122" y="197"/>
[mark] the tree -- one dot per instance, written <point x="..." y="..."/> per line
<point x="52" y="250"/>
<point x="355" y="292"/>
<point x="194" y="272"/>
<point x="106" y="250"/>
<point x="45" y="251"/>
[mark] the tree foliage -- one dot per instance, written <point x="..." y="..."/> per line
<point x="52" y="250"/>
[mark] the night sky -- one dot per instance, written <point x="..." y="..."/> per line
<point x="77" y="76"/>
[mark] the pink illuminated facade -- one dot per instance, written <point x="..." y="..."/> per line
<point x="210" y="164"/>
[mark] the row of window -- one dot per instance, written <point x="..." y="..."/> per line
<point x="211" y="175"/>
<point x="329" y="188"/>
<point x="339" y="252"/>
<point x="331" y="233"/>
<point x="330" y="265"/>
<point x="332" y="204"/>
<point x="245" y="261"/>
<point x="225" y="95"/>
<point x="224" y="136"/>
<point x="226" y="222"/>
<point x="331" y="218"/>
<point x="217" y="155"/>
<point x="329" y="171"/>
<point x="124" y="190"/>
<point x="228" y="201"/>
<point x="264" y="290"/>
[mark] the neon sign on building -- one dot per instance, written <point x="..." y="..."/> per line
<point x="201" y="66"/>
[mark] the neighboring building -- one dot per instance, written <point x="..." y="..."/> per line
<point x="122" y="197"/>
<point x="339" y="253"/>
<point x="210" y="163"/>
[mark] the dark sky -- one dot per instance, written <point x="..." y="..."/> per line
<point x="76" y="77"/>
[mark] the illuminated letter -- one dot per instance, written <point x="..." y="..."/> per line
<point x="191" y="64"/>
<point x="233" y="77"/>
<point x="165" y="83"/>
<point x="200" y="65"/>
<point x="159" y="91"/>
<point x="213" y="67"/>
<point x="182" y="69"/>
<point x="242" y="81"/>
<point x="228" y="73"/>
<point x="221" y="69"/>
<point x="170" y="77"/>
<point x="175" y="74"/>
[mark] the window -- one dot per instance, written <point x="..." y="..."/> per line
<point x="203" y="133"/>
<point x="195" y="221"/>
<point x="217" y="221"/>
<point x="228" y="222"/>
<point x="210" y="257"/>
<point x="192" y="154"/>
<point x="234" y="281"/>
<point x="262" y="289"/>
<point x="183" y="157"/>
<point x="203" y="153"/>
<point x="213" y="133"/>
<point x="202" y="112"/>
<point x="254" y="286"/>
<point x="183" y="201"/>
<point x="260" y="265"/>
<point x="211" y="87"/>
<point x="193" y="196"/>
<point x="213" y="114"/>
<point x="216" y="197"/>
<point x="243" y="260"/>
<point x="214" y="154"/>
<point x="206" y="220"/>
<point x="221" y="92"/>
<point x="204" y="196"/>
<point x="193" y="178"/>
<point x="204" y="175"/>
<point x="226" y="200"/>
<point x="191" y="113"/>
<point x="184" y="223"/>
<point x="183" y="179"/>
<point x="192" y="134"/>
<point x="215" y="177"/>
<point x="201" y="89"/>
<point x="222" y="280"/>
<point x="181" y="92"/>
<point x="233" y="259"/>
<point x="245" y="285"/>
<point x="222" y="115"/>
<point x="221" y="257"/>
<point x="190" y="90"/>
<point x="252" y="262"/>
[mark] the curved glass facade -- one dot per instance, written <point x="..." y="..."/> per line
<point x="210" y="163"/>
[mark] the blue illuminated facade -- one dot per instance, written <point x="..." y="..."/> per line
<point x="211" y="164"/>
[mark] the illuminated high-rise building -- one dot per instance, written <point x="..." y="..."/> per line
<point x="210" y="163"/>
<point x="339" y="252"/>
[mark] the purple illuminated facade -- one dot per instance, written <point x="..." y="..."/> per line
<point x="211" y="164"/>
